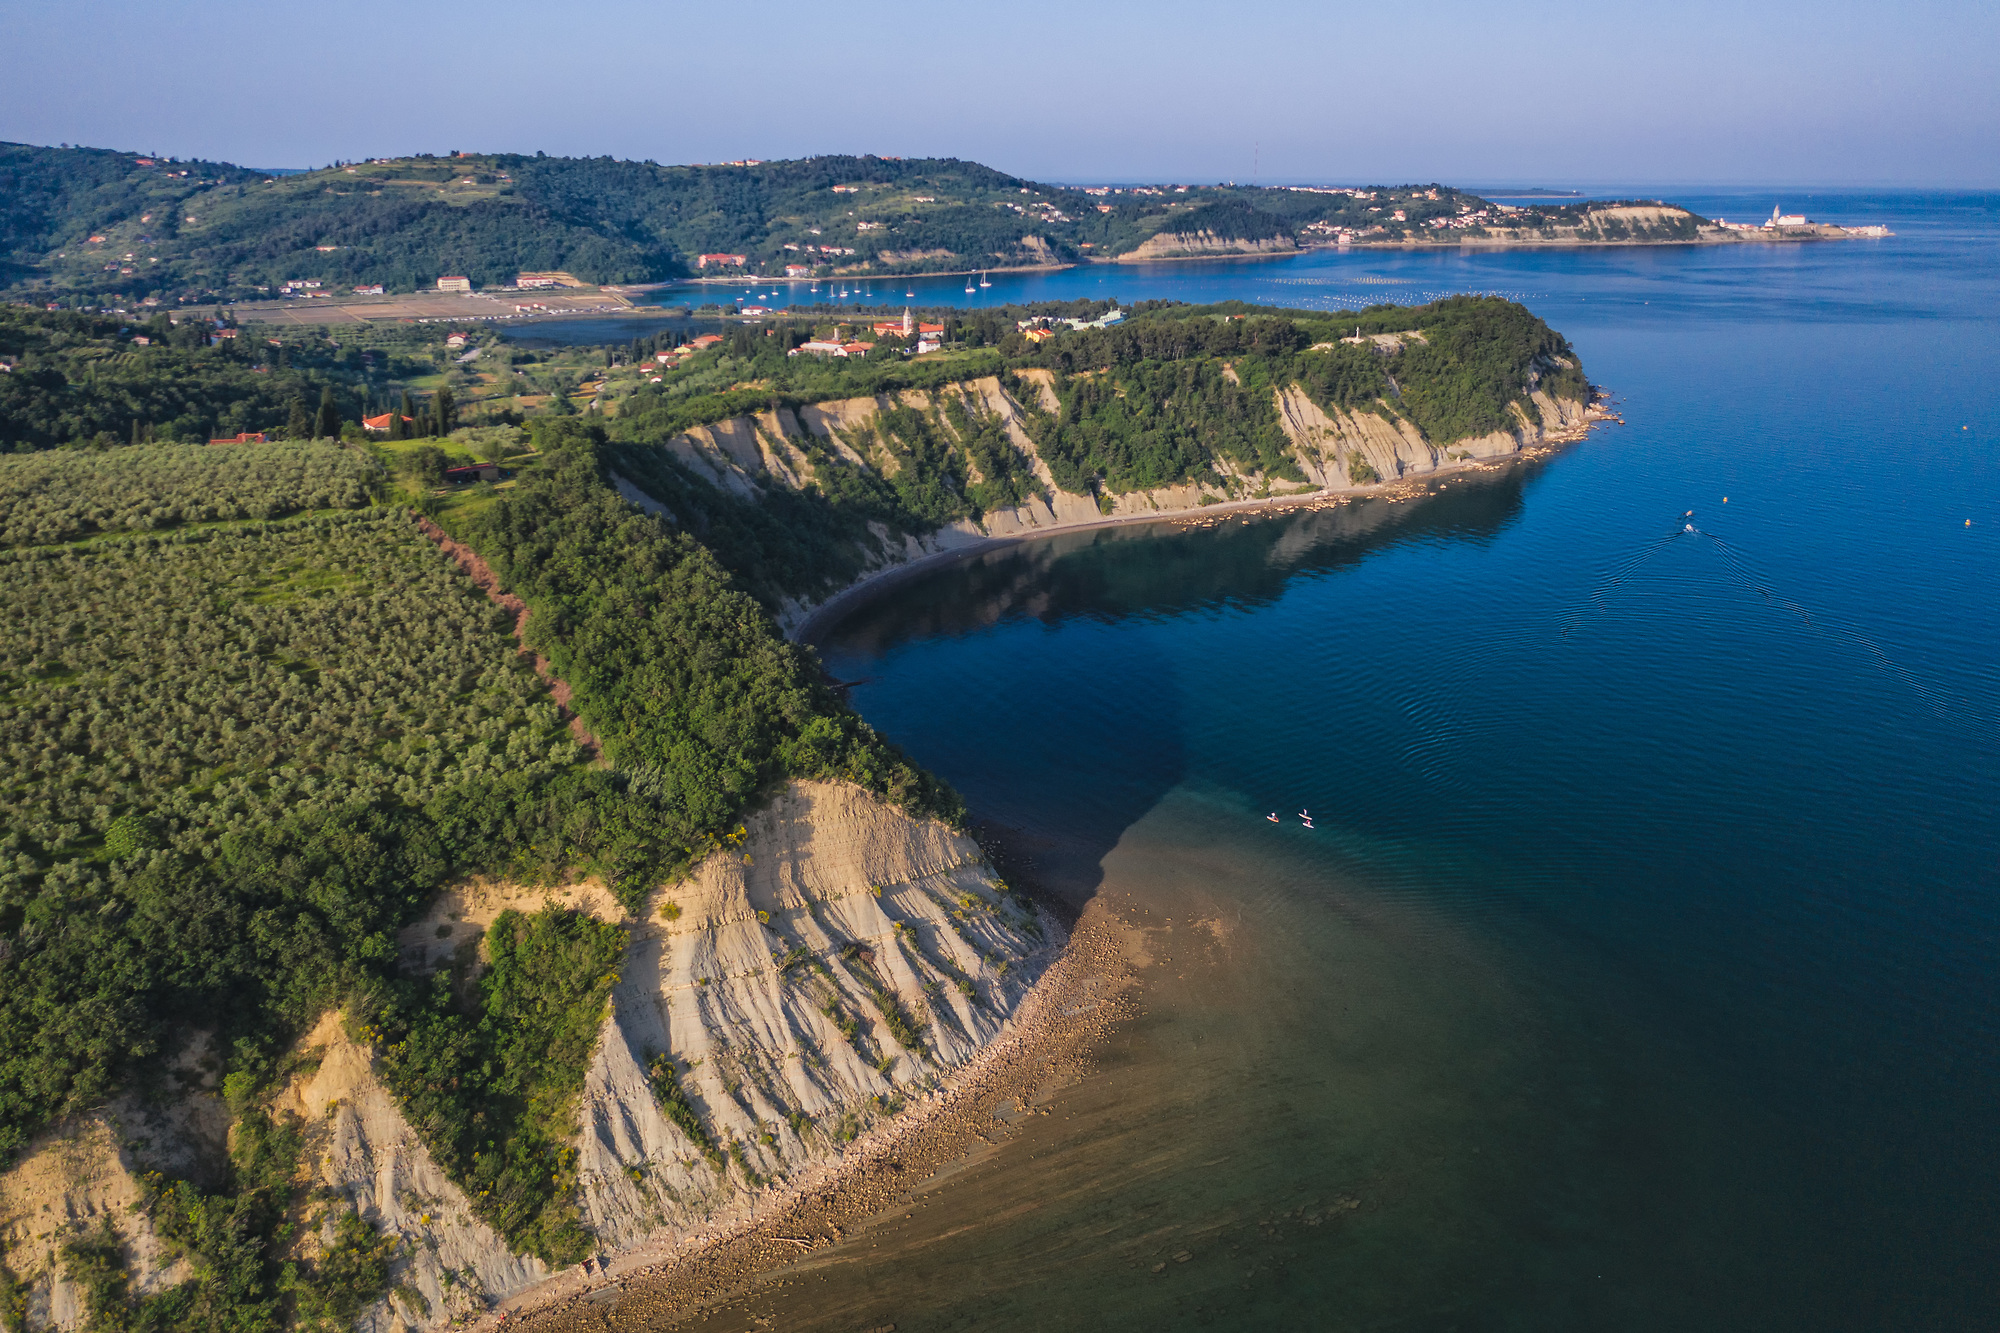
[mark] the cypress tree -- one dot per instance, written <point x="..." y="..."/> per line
<point x="298" y="424"/>
<point x="444" y="411"/>
<point x="406" y="417"/>
<point x="327" y="426"/>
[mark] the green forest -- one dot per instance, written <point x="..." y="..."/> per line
<point x="244" y="752"/>
<point x="77" y="378"/>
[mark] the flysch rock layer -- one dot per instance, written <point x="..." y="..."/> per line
<point x="358" y="1144"/>
<point x="769" y="989"/>
<point x="1196" y="244"/>
<point x="834" y="910"/>
<point x="1342" y="452"/>
<point x="74" y="1180"/>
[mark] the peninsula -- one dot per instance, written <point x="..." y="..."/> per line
<point x="484" y="888"/>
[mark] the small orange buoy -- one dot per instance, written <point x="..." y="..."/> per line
<point x="1725" y="499"/>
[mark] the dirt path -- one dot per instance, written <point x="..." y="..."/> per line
<point x="488" y="582"/>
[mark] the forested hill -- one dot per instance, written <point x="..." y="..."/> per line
<point x="88" y="227"/>
<point x="257" y="717"/>
<point x="785" y="465"/>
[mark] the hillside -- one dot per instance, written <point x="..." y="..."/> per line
<point x="92" y="228"/>
<point x="394" y="913"/>
<point x="830" y="468"/>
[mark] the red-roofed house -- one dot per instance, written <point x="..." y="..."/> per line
<point x="247" y="437"/>
<point x="706" y="341"/>
<point x="705" y="260"/>
<point x="380" y="424"/>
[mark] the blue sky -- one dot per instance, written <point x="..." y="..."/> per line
<point x="1833" y="92"/>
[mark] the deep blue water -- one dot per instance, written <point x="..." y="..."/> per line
<point x="1643" y="969"/>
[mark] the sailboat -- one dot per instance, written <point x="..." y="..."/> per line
<point x="910" y="293"/>
<point x="1307" y="818"/>
<point x="968" y="284"/>
<point x="984" y="281"/>
<point x="1273" y="817"/>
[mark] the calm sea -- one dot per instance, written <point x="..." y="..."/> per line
<point x="1642" y="969"/>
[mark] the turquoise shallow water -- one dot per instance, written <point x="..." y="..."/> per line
<point x="1641" y="969"/>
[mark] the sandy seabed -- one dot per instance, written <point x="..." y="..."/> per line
<point x="1049" y="1044"/>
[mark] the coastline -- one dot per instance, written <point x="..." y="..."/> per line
<point x="1046" y="1046"/>
<point x="405" y="306"/>
<point x="1406" y="243"/>
<point x="822" y="618"/>
<point x="852" y="275"/>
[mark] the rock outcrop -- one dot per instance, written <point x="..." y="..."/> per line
<point x="359" y="1145"/>
<point x="838" y="959"/>
<point x="1338" y="453"/>
<point x="808" y="983"/>
<point x="75" y="1180"/>
<point x="1200" y="244"/>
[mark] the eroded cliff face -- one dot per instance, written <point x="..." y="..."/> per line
<point x="844" y="958"/>
<point x="836" y="960"/>
<point x="359" y="1145"/>
<point x="1343" y="452"/>
<point x="85" y="1174"/>
<point x="76" y="1180"/>
<point x="1200" y="244"/>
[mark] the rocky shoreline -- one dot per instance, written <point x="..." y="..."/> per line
<point x="817" y="621"/>
<point x="1048" y="1045"/>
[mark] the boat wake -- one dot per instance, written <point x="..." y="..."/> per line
<point x="1946" y="706"/>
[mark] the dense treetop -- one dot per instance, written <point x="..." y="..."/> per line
<point x="80" y="378"/>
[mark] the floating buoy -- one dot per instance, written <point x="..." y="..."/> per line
<point x="1725" y="499"/>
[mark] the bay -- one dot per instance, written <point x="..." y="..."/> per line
<point x="1640" y="969"/>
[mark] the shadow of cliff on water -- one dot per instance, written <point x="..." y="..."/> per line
<point x="1052" y="802"/>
